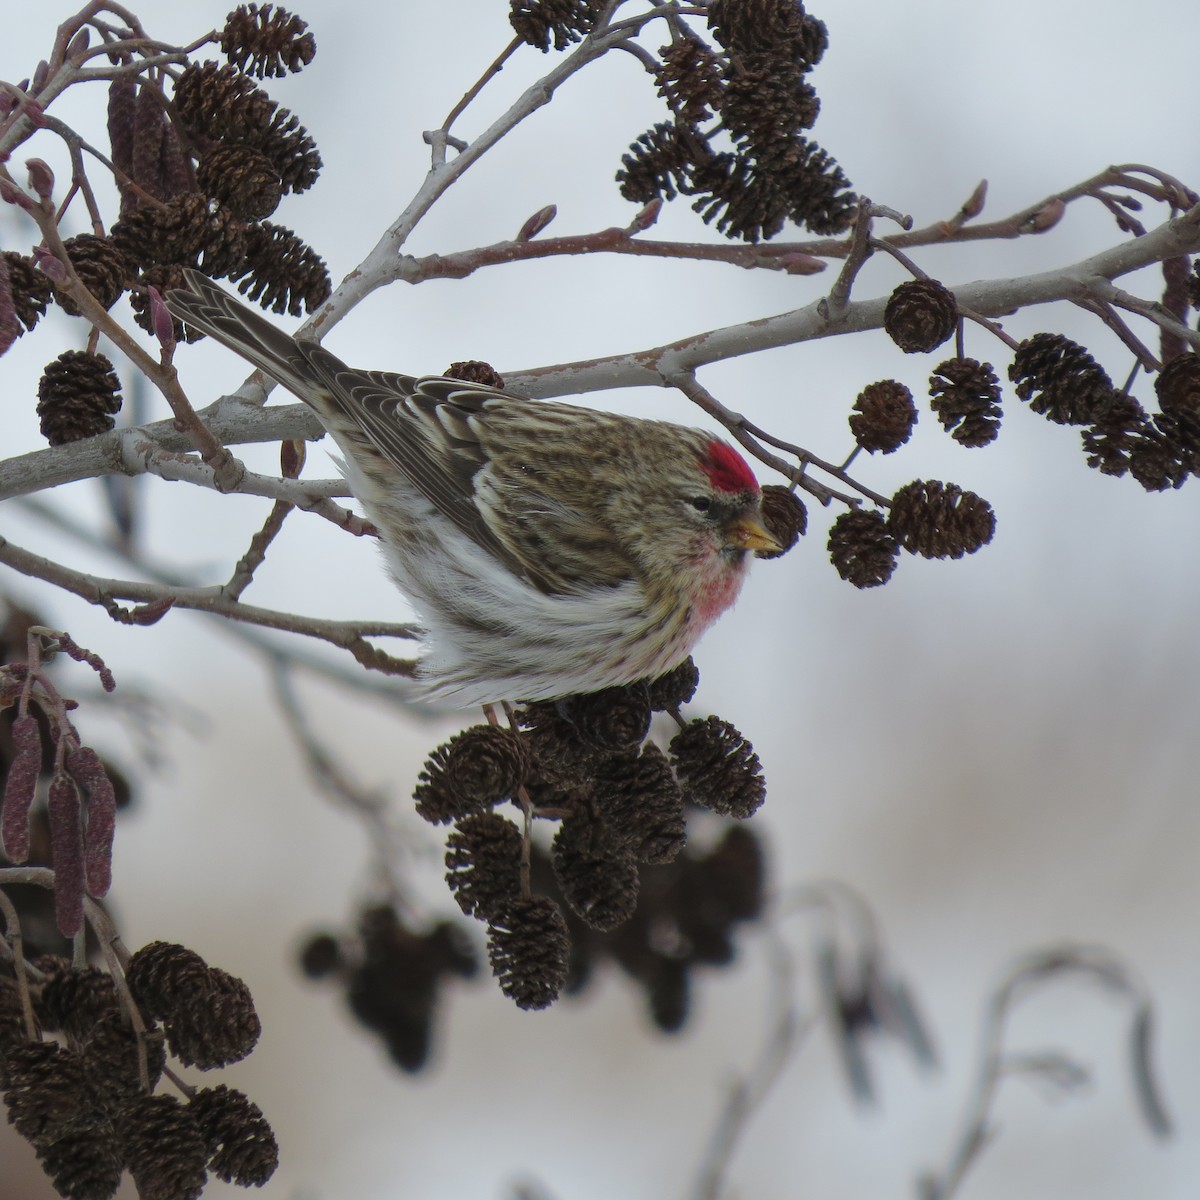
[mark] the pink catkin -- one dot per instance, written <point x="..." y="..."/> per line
<point x="20" y="788"/>
<point x="66" y="844"/>
<point x="88" y="771"/>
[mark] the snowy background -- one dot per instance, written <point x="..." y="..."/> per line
<point x="998" y="753"/>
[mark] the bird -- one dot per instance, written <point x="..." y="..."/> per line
<point x="548" y="549"/>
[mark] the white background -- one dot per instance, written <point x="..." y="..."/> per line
<point x="998" y="753"/>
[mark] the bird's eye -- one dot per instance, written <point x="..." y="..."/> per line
<point x="701" y="503"/>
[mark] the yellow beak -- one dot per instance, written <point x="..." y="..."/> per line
<point x="748" y="534"/>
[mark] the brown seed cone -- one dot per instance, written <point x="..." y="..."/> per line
<point x="47" y="1092"/>
<point x="528" y="948"/>
<point x="1156" y="461"/>
<point x="110" y="1059"/>
<point x="595" y="873"/>
<point x="1060" y="379"/>
<point x="240" y="1142"/>
<point x="242" y="179"/>
<point x="717" y="768"/>
<point x="164" y="233"/>
<point x="262" y="40"/>
<point x="163" y="1148"/>
<point x="483" y="863"/>
<point x="690" y="78"/>
<point x="613" y="721"/>
<point x="965" y="396"/>
<point x="785" y="517"/>
<point x="765" y="98"/>
<point x="281" y="271"/>
<point x="214" y="1026"/>
<point x="31" y="289"/>
<point x="658" y="163"/>
<point x="1116" y="431"/>
<point x="641" y="804"/>
<point x="73" y="1001"/>
<point x="219" y="104"/>
<point x="84" y="1165"/>
<point x="862" y="548"/>
<point x="77" y="395"/>
<point x="478" y="768"/>
<point x="676" y="687"/>
<point x="475" y="371"/>
<point x="883" y="417"/>
<point x="779" y="27"/>
<point x="940" y="520"/>
<point x="161" y="972"/>
<point x="1178" y="386"/>
<point x="566" y="21"/>
<point x="102" y="268"/>
<point x="920" y="315"/>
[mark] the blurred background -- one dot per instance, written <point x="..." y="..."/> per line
<point x="997" y="753"/>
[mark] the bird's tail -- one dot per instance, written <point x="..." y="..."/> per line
<point x="213" y="311"/>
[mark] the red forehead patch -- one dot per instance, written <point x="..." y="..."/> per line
<point x="727" y="470"/>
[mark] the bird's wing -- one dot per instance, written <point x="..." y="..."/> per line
<point x="434" y="431"/>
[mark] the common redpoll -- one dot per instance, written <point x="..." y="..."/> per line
<point x="548" y="549"/>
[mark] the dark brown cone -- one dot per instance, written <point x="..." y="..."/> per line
<point x="642" y="806"/>
<point x="110" y="1060"/>
<point x="566" y="21"/>
<point x="595" y="874"/>
<point x="690" y="78"/>
<point x="162" y="1147"/>
<point x="31" y="289"/>
<point x="161" y="972"/>
<point x="262" y="40"/>
<point x="474" y="371"/>
<point x="241" y="1145"/>
<point x="73" y="1001"/>
<point x="241" y="179"/>
<point x="862" y="548"/>
<point x="678" y="686"/>
<point x="483" y="863"/>
<point x="77" y="395"/>
<point x="940" y="520"/>
<point x="717" y="768"/>
<point x="883" y="417"/>
<point x="920" y="315"/>
<point x="785" y="517"/>
<point x="216" y="1025"/>
<point x="1059" y="379"/>
<point x="765" y="98"/>
<point x="613" y="721"/>
<point x="219" y="103"/>
<point x="102" y="268"/>
<point x="528" y="948"/>
<point x="1178" y="386"/>
<point x="1118" y="428"/>
<point x="479" y="767"/>
<point x="1156" y="461"/>
<point x="173" y="232"/>
<point x="84" y="1165"/>
<point x="282" y="272"/>
<point x="779" y="27"/>
<point x="658" y="164"/>
<point x="47" y="1092"/>
<point x="965" y="395"/>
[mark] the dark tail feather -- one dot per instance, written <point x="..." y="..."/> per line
<point x="213" y="311"/>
